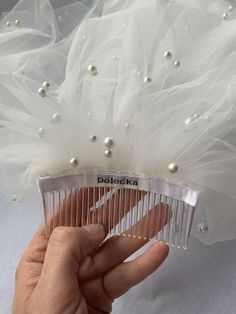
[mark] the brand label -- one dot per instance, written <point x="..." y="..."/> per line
<point x="119" y="181"/>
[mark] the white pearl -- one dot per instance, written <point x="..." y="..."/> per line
<point x="225" y="16"/>
<point x="188" y="120"/>
<point x="147" y="80"/>
<point x="46" y="85"/>
<point x="127" y="125"/>
<point x="203" y="228"/>
<point x="230" y="8"/>
<point x="108" y="153"/>
<point x="137" y="72"/>
<point x="56" y="118"/>
<point x="92" y="70"/>
<point x="177" y="64"/>
<point x="191" y="119"/>
<point x="168" y="55"/>
<point x="109" y="142"/>
<point x="42" y="92"/>
<point x="74" y="161"/>
<point x="93" y="138"/>
<point x="173" y="168"/>
<point x="14" y="198"/>
<point x="115" y="58"/>
<point x="8" y="24"/>
<point x="84" y="37"/>
<point x="61" y="19"/>
<point x="89" y="114"/>
<point x="42" y="132"/>
<point x="17" y="23"/>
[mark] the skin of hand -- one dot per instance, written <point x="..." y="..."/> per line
<point x="76" y="271"/>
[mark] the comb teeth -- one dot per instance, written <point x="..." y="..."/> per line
<point x="123" y="210"/>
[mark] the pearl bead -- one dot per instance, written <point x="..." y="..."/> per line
<point x="109" y="142"/>
<point x="137" y="72"/>
<point x="188" y="120"/>
<point x="93" y="138"/>
<point x="230" y="8"/>
<point x="42" y="132"/>
<point x="14" y="198"/>
<point x="115" y="58"/>
<point x="177" y="64"/>
<point x="17" y="23"/>
<point x="42" y="92"/>
<point x="225" y="16"/>
<point x="108" y="153"/>
<point x="61" y="19"/>
<point x="92" y="70"/>
<point x="127" y="125"/>
<point x="173" y="168"/>
<point x="147" y="80"/>
<point x="168" y="55"/>
<point x="191" y="119"/>
<point x="8" y="24"/>
<point x="84" y="37"/>
<point x="74" y="161"/>
<point x="56" y="118"/>
<point x="46" y="85"/>
<point x="203" y="228"/>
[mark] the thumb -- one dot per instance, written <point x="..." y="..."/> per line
<point x="67" y="247"/>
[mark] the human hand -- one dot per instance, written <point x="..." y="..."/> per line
<point x="76" y="272"/>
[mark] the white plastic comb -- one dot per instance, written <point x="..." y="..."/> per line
<point x="127" y="204"/>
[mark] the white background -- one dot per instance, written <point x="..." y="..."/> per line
<point x="199" y="280"/>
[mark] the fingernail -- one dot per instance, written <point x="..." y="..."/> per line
<point x="162" y="242"/>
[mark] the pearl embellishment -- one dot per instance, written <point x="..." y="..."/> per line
<point x="46" y="85"/>
<point x="74" y="162"/>
<point x="191" y="119"/>
<point x="17" y="23"/>
<point x="8" y="24"/>
<point x="93" y="138"/>
<point x="56" y="118"/>
<point x="42" y="132"/>
<point x="109" y="142"/>
<point x="42" y="92"/>
<point x="92" y="70"/>
<point x="167" y="55"/>
<point x="177" y="64"/>
<point x="173" y="168"/>
<point x="203" y="228"/>
<point x="108" y="153"/>
<point x="147" y="80"/>
<point x="225" y="16"/>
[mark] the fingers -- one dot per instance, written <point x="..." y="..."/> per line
<point x="126" y="275"/>
<point x="73" y="207"/>
<point x="67" y="247"/>
<point x="31" y="262"/>
<point x="117" y="206"/>
<point x="118" y="248"/>
<point x="106" y="206"/>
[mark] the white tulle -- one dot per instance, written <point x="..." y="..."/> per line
<point x="126" y="41"/>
